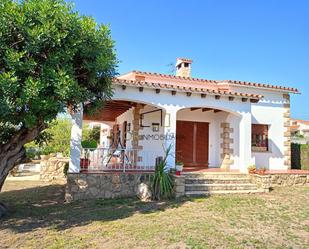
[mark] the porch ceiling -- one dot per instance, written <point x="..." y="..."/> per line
<point x="111" y="110"/>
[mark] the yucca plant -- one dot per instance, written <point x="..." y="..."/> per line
<point x="162" y="183"/>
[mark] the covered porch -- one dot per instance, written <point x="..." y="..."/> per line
<point x="135" y="135"/>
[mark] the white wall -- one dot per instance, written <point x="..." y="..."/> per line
<point x="268" y="111"/>
<point x="150" y="141"/>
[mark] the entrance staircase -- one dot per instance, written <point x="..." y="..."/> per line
<point x="208" y="183"/>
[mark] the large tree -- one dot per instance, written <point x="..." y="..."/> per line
<point x="51" y="58"/>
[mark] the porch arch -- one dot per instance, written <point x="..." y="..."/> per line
<point x="212" y="135"/>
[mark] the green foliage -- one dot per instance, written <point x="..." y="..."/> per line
<point x="51" y="58"/>
<point x="91" y="137"/>
<point x="89" y="144"/>
<point x="300" y="156"/>
<point x="162" y="183"/>
<point x="57" y="139"/>
<point x="66" y="169"/>
<point x="91" y="134"/>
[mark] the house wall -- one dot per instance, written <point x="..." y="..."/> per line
<point x="150" y="144"/>
<point x="240" y="117"/>
<point x="270" y="111"/>
<point x="214" y="120"/>
<point x="303" y="129"/>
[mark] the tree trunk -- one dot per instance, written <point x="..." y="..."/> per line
<point x="7" y="165"/>
<point x="13" y="152"/>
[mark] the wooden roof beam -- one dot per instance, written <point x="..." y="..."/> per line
<point x="206" y="109"/>
<point x="194" y="108"/>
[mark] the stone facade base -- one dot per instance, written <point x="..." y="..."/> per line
<point x="179" y="185"/>
<point x="53" y="168"/>
<point x="268" y="181"/>
<point x="82" y="186"/>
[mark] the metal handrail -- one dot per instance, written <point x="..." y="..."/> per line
<point x="111" y="159"/>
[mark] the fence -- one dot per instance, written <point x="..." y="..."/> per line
<point x="107" y="159"/>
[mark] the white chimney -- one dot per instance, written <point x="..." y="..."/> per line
<point x="183" y="67"/>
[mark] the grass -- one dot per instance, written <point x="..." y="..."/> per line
<point x="40" y="219"/>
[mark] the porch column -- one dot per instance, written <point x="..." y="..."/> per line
<point x="104" y="133"/>
<point x="170" y="135"/>
<point x="245" y="142"/>
<point x="76" y="139"/>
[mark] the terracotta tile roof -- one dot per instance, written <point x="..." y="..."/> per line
<point x="222" y="82"/>
<point x="260" y="85"/>
<point x="180" y="88"/>
<point x="294" y="127"/>
<point x="300" y="121"/>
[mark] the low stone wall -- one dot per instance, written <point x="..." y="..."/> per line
<point x="53" y="168"/>
<point x="272" y="180"/>
<point x="104" y="185"/>
<point x="179" y="185"/>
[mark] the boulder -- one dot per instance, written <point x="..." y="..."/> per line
<point x="143" y="192"/>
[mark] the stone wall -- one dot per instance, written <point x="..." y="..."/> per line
<point x="103" y="185"/>
<point x="135" y="130"/>
<point x="179" y="185"/>
<point x="287" y="131"/>
<point x="53" y="168"/>
<point x="273" y="180"/>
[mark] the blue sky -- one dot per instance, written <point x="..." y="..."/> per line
<point x="263" y="41"/>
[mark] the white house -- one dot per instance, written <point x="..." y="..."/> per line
<point x="209" y="124"/>
<point x="300" y="127"/>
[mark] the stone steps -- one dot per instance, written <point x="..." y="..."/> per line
<point x="221" y="192"/>
<point x="216" y="180"/>
<point x="214" y="175"/>
<point x="223" y="187"/>
<point x="209" y="183"/>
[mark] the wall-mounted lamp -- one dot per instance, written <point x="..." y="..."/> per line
<point x="155" y="127"/>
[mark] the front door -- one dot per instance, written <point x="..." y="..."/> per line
<point x="192" y="144"/>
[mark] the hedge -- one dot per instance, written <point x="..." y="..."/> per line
<point x="300" y="156"/>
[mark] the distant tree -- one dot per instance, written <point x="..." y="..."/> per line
<point x="56" y="139"/>
<point x="51" y="58"/>
<point x="91" y="134"/>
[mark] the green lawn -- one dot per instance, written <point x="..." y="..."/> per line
<point x="40" y="219"/>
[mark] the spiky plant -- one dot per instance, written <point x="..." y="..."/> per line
<point x="162" y="183"/>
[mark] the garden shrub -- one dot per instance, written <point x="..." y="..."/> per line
<point x="300" y="156"/>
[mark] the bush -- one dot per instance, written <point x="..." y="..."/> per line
<point x="66" y="169"/>
<point x="89" y="144"/>
<point x="300" y="156"/>
<point x="161" y="182"/>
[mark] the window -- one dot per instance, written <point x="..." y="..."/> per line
<point x="186" y="64"/>
<point x="259" y="139"/>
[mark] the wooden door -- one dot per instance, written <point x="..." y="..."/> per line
<point x="192" y="142"/>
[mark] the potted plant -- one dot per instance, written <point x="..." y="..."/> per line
<point x="251" y="169"/>
<point x="179" y="167"/>
<point x="261" y="171"/>
<point x="88" y="146"/>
